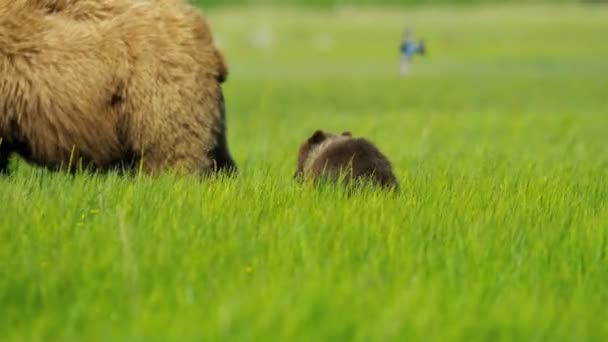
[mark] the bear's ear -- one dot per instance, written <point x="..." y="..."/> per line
<point x="347" y="134"/>
<point x="317" y="137"/>
<point x="222" y="67"/>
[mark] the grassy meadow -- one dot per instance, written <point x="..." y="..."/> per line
<point x="498" y="137"/>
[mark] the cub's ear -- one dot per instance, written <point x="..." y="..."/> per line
<point x="317" y="137"/>
<point x="347" y="134"/>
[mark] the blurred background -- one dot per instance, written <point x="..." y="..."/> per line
<point x="494" y="74"/>
<point x="380" y="2"/>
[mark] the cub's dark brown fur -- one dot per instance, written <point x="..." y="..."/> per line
<point x="331" y="157"/>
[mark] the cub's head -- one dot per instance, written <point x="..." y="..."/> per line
<point x="314" y="144"/>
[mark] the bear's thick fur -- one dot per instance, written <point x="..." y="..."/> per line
<point x="105" y="83"/>
<point x="355" y="161"/>
<point x="86" y="9"/>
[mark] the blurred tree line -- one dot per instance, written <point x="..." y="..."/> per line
<point x="316" y="3"/>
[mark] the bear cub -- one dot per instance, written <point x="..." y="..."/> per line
<point x="331" y="157"/>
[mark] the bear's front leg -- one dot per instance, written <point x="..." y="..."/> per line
<point x="220" y="155"/>
<point x="5" y="154"/>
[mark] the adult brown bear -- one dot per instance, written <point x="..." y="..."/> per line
<point x="108" y="83"/>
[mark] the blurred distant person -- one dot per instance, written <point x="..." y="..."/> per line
<point x="408" y="49"/>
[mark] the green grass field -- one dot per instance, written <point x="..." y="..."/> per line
<point x="498" y="138"/>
